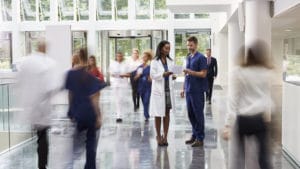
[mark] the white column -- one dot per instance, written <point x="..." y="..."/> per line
<point x="220" y="51"/>
<point x="92" y="10"/>
<point x="235" y="42"/>
<point x="54" y="11"/>
<point x="92" y="41"/>
<point x="16" y="51"/>
<point x="258" y="21"/>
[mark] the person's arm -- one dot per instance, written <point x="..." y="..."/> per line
<point x="216" y="69"/>
<point x="183" y="88"/>
<point x="95" y="102"/>
<point x="155" y="74"/>
<point x="202" y="73"/>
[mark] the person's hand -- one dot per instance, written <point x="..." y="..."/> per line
<point x="182" y="94"/>
<point x="174" y="77"/>
<point x="136" y="77"/>
<point x="187" y="71"/>
<point x="166" y="74"/>
<point x="122" y="76"/>
<point x="226" y="133"/>
<point x="149" y="79"/>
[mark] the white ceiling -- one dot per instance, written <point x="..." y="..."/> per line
<point x="287" y="24"/>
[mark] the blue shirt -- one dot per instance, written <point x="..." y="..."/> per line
<point x="193" y="84"/>
<point x="144" y="84"/>
<point x="82" y="85"/>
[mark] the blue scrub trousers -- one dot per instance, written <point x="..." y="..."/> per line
<point x="146" y="101"/>
<point x="195" y="106"/>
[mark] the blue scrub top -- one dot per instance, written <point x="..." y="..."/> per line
<point x="82" y="85"/>
<point x="196" y="84"/>
<point x="143" y="84"/>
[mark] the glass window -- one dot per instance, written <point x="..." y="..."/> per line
<point x="104" y="10"/>
<point x="201" y="15"/>
<point x="31" y="41"/>
<point x="79" y="40"/>
<point x="5" y="50"/>
<point x="44" y="10"/>
<point x="121" y="9"/>
<point x="83" y="10"/>
<point x="28" y="10"/>
<point x="182" y="16"/>
<point x="291" y="60"/>
<point x="142" y="9"/>
<point x="5" y="7"/>
<point x="160" y="9"/>
<point x="66" y="10"/>
<point x="181" y="39"/>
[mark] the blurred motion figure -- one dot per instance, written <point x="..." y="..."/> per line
<point x="249" y="106"/>
<point x="37" y="83"/>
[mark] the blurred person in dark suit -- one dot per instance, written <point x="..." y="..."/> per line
<point x="212" y="72"/>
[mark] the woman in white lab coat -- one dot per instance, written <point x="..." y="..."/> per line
<point x="120" y="72"/>
<point x="162" y="97"/>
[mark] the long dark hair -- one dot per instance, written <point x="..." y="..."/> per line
<point x="257" y="54"/>
<point x="159" y="48"/>
<point x="95" y="62"/>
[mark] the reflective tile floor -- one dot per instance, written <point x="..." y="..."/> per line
<point x="132" y="145"/>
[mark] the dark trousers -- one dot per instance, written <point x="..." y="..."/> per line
<point x="135" y="93"/>
<point x="43" y="148"/>
<point x="210" y="88"/>
<point x="146" y="101"/>
<point x="254" y="125"/>
<point x="195" y="106"/>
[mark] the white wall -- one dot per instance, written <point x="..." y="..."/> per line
<point x="290" y="120"/>
<point x="277" y="56"/>
<point x="281" y="6"/>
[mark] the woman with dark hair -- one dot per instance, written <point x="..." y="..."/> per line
<point x="93" y="69"/>
<point x="84" y="109"/>
<point x="249" y="106"/>
<point x="162" y="98"/>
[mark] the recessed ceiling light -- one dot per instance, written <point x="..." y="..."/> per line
<point x="288" y="30"/>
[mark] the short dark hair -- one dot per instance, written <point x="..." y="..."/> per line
<point x="193" y="39"/>
<point x="208" y="49"/>
<point x="119" y="53"/>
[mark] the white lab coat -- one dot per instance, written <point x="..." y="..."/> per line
<point x="36" y="83"/>
<point x="157" y="98"/>
<point x="120" y="87"/>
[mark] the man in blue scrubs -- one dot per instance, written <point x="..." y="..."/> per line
<point x="195" y="85"/>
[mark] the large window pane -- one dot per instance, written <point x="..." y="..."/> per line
<point x="28" y="10"/>
<point x="66" y="10"/>
<point x="5" y="50"/>
<point x="142" y="9"/>
<point x="121" y="9"/>
<point x="180" y="43"/>
<point x="182" y="16"/>
<point x="104" y="10"/>
<point x="44" y="10"/>
<point x="291" y="60"/>
<point x="160" y="9"/>
<point x="31" y="41"/>
<point x="5" y="7"/>
<point x="79" y="40"/>
<point x="83" y="9"/>
<point x="201" y="15"/>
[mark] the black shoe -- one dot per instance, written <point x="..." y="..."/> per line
<point x="209" y="102"/>
<point x="190" y="141"/>
<point x="146" y="120"/>
<point x="197" y="143"/>
<point x="119" y="120"/>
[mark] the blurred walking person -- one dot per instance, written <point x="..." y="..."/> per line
<point x="212" y="72"/>
<point x="37" y="84"/>
<point x="134" y="63"/>
<point x="120" y="72"/>
<point x="84" y="108"/>
<point x="144" y="82"/>
<point x="249" y="106"/>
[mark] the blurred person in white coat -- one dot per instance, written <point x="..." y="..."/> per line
<point x="37" y="84"/>
<point x="120" y="72"/>
<point x="162" y="91"/>
<point x="249" y="108"/>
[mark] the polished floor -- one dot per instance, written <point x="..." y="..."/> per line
<point x="132" y="145"/>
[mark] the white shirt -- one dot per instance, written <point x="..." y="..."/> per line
<point x="36" y="83"/>
<point x="116" y="69"/>
<point x="249" y="92"/>
<point x="134" y="64"/>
